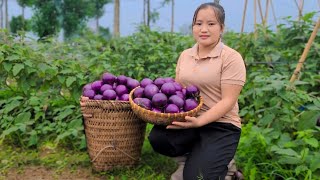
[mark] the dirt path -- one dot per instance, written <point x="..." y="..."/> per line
<point x="42" y="173"/>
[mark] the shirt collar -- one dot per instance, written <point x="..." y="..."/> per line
<point x="215" y="52"/>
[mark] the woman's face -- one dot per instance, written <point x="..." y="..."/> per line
<point x="207" y="29"/>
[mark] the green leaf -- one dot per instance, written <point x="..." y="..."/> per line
<point x="9" y="107"/>
<point x="75" y="124"/>
<point x="312" y="142"/>
<point x="265" y="120"/>
<point x="28" y="63"/>
<point x="13" y="57"/>
<point x="315" y="163"/>
<point x="9" y="131"/>
<point x="17" y="68"/>
<point x="300" y="169"/>
<point x="288" y="152"/>
<point x="33" y="101"/>
<point x="23" y="118"/>
<point x="308" y="120"/>
<point x="7" y="66"/>
<point x="43" y="67"/>
<point x="33" y="140"/>
<point x="63" y="135"/>
<point x="64" y="114"/>
<point x="61" y="79"/>
<point x="289" y="160"/>
<point x="70" y="80"/>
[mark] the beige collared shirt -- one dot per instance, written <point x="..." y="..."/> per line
<point x="223" y="65"/>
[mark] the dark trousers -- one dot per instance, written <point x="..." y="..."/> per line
<point x="209" y="149"/>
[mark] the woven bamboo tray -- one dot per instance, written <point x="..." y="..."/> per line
<point x="161" y="118"/>
<point x="114" y="134"/>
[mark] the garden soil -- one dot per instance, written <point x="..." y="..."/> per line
<point x="42" y="173"/>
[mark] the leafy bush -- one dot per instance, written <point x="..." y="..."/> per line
<point x="40" y="85"/>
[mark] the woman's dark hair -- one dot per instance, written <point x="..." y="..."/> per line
<point x="217" y="8"/>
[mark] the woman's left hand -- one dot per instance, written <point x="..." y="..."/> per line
<point x="190" y="122"/>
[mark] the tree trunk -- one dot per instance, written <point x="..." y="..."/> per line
<point x="6" y="14"/>
<point x="23" y="18"/>
<point x="144" y="12"/>
<point x="172" y="16"/>
<point x="97" y="24"/>
<point x="116" y="24"/>
<point x="148" y="13"/>
<point x="1" y="14"/>
<point x="22" y="12"/>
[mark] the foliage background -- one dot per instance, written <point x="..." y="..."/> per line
<point x="41" y="83"/>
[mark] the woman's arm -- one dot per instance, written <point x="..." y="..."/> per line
<point x="230" y="94"/>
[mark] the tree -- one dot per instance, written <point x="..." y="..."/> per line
<point x="74" y="14"/>
<point x="144" y="12"/>
<point x="99" y="11"/>
<point x="116" y="22"/>
<point x="172" y="15"/>
<point x="45" y="20"/>
<point x="23" y="4"/>
<point x="148" y="15"/>
<point x="172" y="12"/>
<point x="70" y="15"/>
<point x="1" y="14"/>
<point x="6" y="14"/>
<point x="19" y="23"/>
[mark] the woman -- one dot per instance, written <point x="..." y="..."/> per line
<point x="204" y="145"/>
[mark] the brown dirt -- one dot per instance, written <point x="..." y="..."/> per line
<point x="42" y="173"/>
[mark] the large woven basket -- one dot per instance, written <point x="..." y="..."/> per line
<point x="161" y="118"/>
<point x="114" y="134"/>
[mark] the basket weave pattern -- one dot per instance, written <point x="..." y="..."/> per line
<point x="114" y="134"/>
<point x="161" y="118"/>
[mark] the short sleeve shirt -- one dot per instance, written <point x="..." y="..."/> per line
<point x="223" y="65"/>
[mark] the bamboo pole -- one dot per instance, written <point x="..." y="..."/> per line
<point x="300" y="8"/>
<point x="260" y="9"/>
<point x="244" y="15"/>
<point x="301" y="3"/>
<point x="274" y="14"/>
<point x="265" y="19"/>
<point x="305" y="52"/>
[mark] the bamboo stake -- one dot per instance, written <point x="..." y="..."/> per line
<point x="305" y="52"/>
<point x="301" y="2"/>
<point x="244" y="15"/>
<point x="260" y="9"/>
<point x="300" y="7"/>
<point x="295" y="1"/>
<point x="265" y="19"/>
<point x="274" y="14"/>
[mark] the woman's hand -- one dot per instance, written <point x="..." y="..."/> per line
<point x="190" y="122"/>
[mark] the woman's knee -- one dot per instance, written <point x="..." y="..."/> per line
<point x="159" y="141"/>
<point x="169" y="142"/>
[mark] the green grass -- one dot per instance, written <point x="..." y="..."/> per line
<point x="152" y="165"/>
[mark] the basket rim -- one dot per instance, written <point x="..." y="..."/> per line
<point x="165" y="115"/>
<point x="102" y="100"/>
